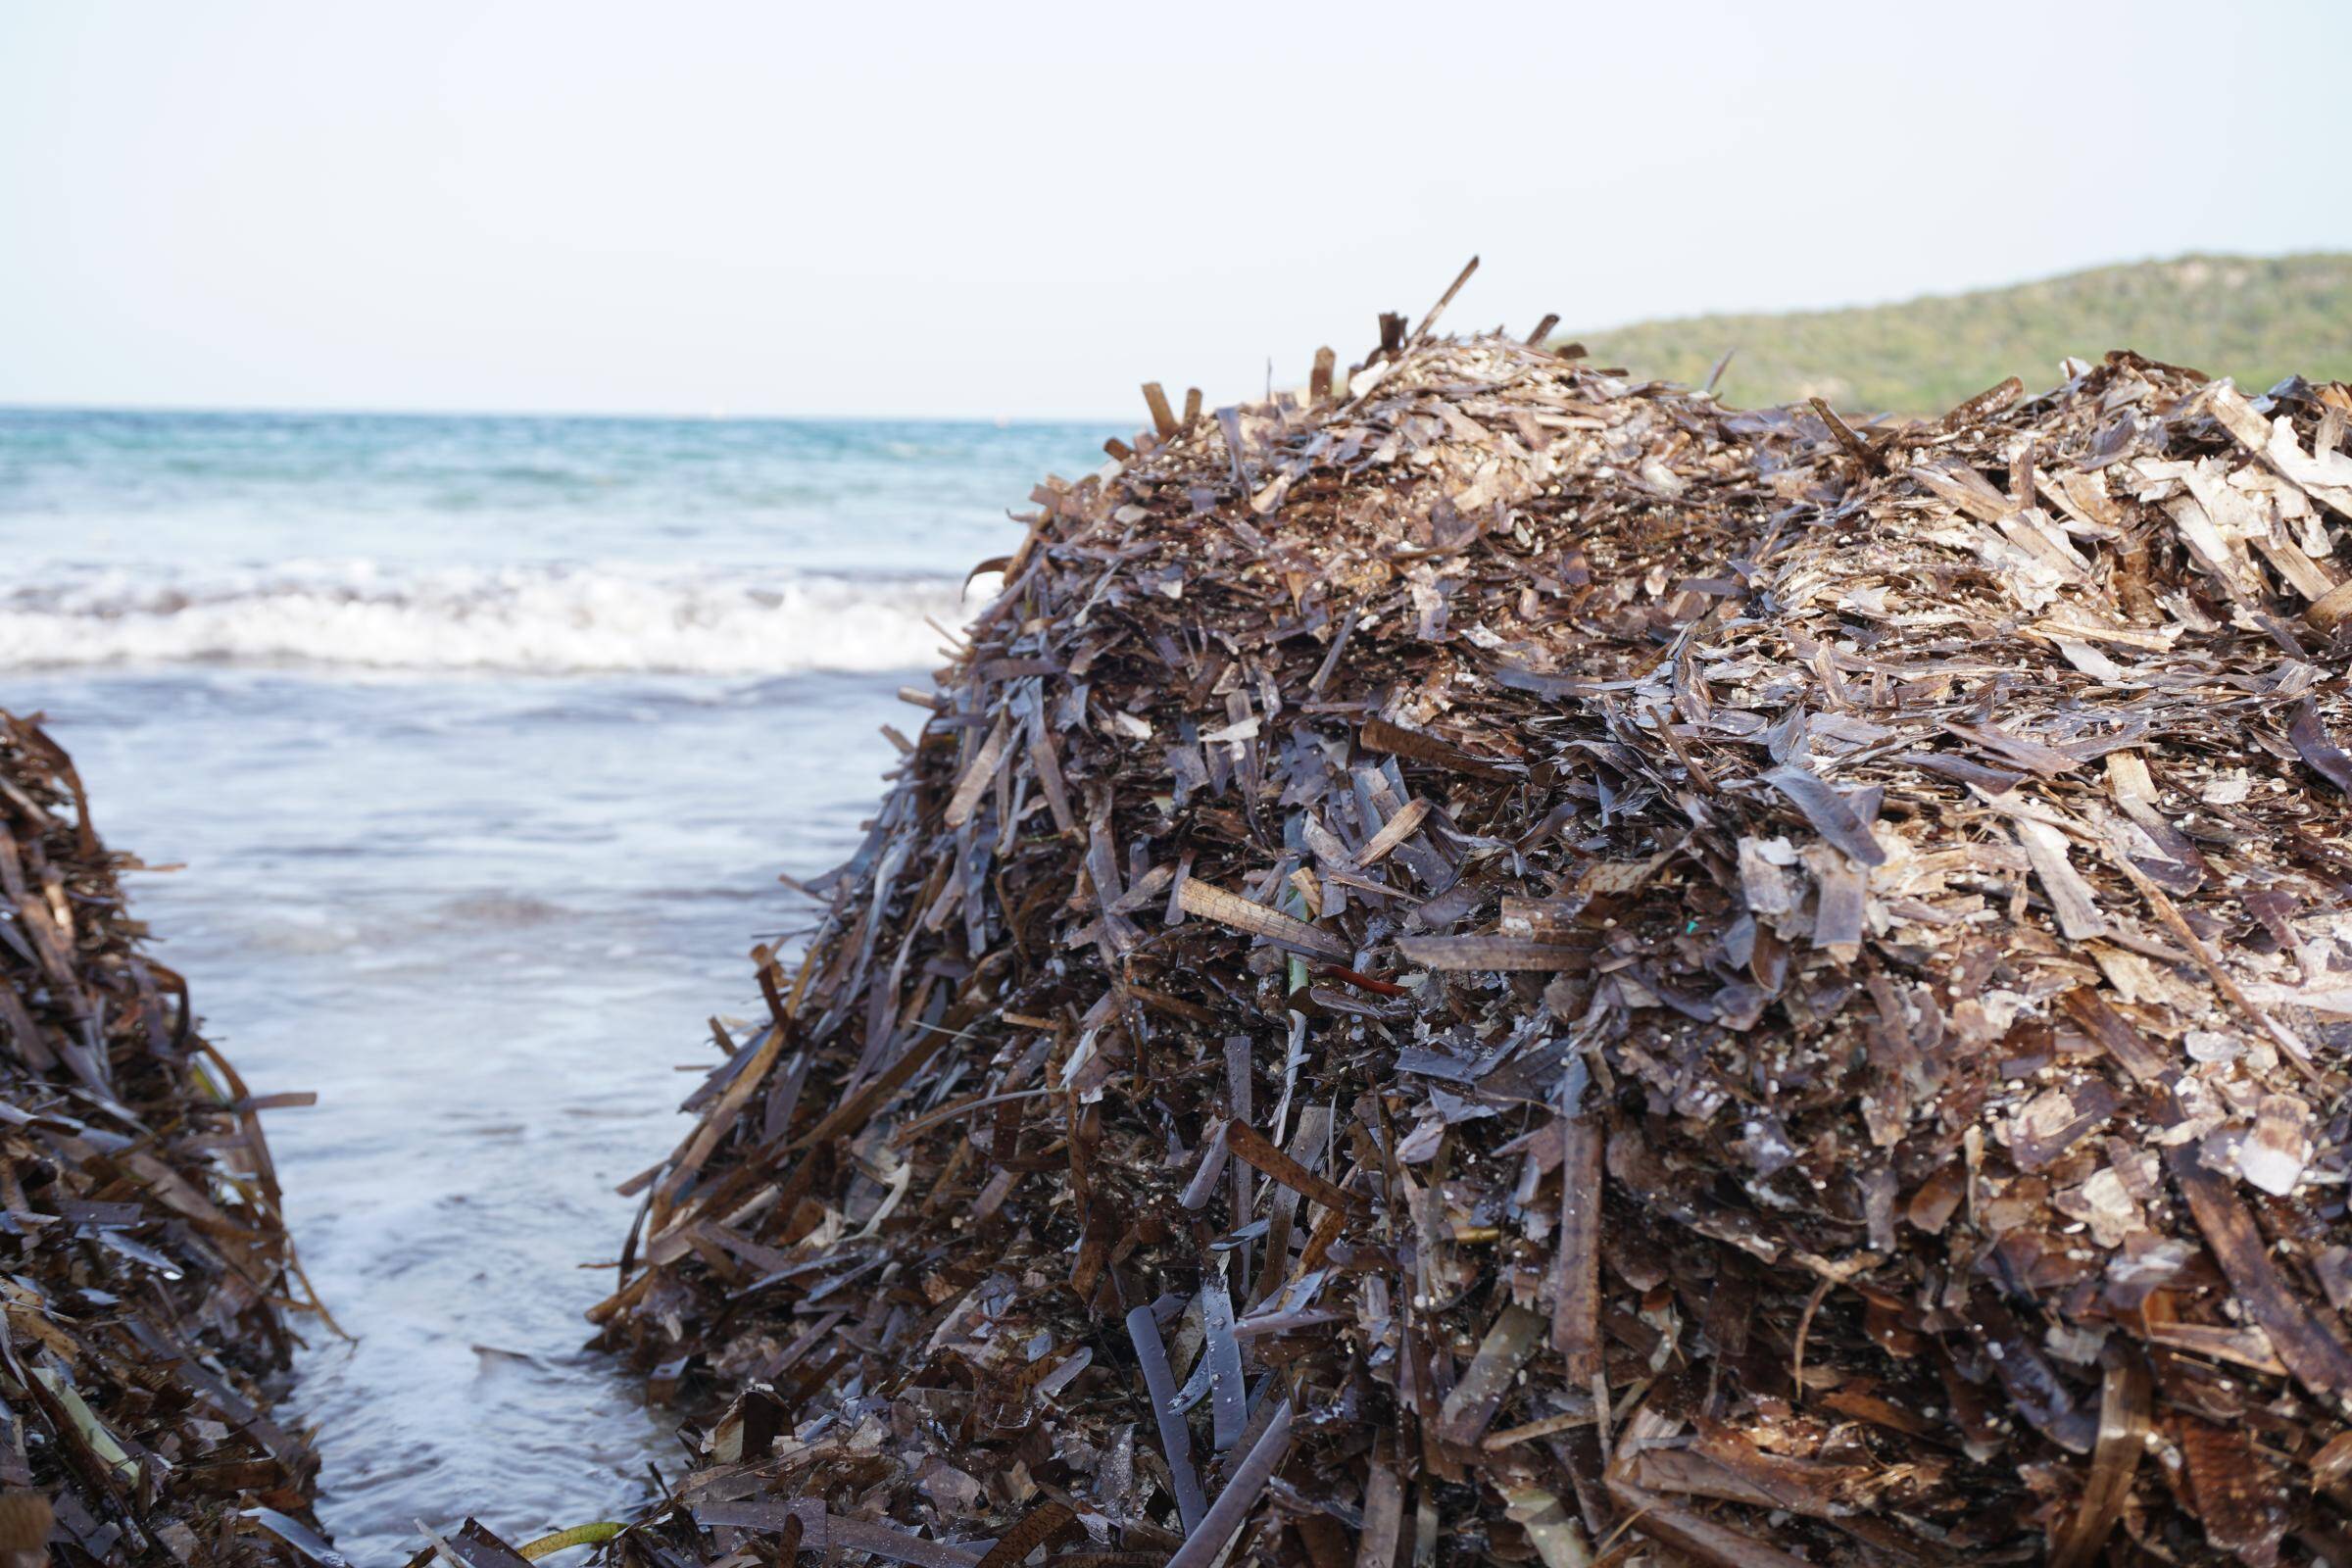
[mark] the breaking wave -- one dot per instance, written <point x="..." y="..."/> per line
<point x="537" y="620"/>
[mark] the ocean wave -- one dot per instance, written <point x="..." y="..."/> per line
<point x="536" y="621"/>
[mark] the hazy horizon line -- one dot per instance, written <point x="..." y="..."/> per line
<point x="1113" y="421"/>
<point x="337" y="411"/>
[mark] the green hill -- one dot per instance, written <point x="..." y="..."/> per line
<point x="2254" y="317"/>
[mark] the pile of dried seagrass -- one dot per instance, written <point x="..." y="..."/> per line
<point x="144" y="1270"/>
<point x="1494" y="963"/>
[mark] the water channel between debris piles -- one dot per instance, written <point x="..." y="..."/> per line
<point x="449" y="868"/>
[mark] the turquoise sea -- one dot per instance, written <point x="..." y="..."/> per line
<point x="483" y="742"/>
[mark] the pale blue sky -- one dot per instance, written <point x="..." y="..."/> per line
<point x="1024" y="210"/>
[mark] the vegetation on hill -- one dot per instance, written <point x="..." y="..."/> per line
<point x="2252" y="318"/>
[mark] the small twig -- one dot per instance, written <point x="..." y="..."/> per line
<point x="1804" y="1327"/>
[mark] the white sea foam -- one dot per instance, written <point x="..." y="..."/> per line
<point x="538" y="620"/>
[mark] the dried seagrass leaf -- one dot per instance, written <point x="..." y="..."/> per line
<point x="2314" y="1354"/>
<point x="2327" y="758"/>
<point x="894" y="1545"/>
<point x="1379" y="735"/>
<point x="1383" y="1512"/>
<point x="1399" y="828"/>
<point x="2114" y="1462"/>
<point x="1221" y="1353"/>
<point x="1250" y="1144"/>
<point x="977" y="777"/>
<point x="1231" y="910"/>
<point x="26" y="1518"/>
<point x="1202" y="1545"/>
<point x="1470" y="1408"/>
<point x="1175" y="1439"/>
<point x="1494" y="952"/>
<point x="294" y="1533"/>
<point x="1163" y="417"/>
<point x="2076" y="905"/>
<point x="2239" y="1504"/>
<point x="1831" y="813"/>
<point x="1037" y="1527"/>
<point x="1688" y="1531"/>
<point x="2331" y="608"/>
<point x="1576" y="1280"/>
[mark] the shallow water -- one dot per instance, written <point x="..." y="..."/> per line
<point x="458" y="858"/>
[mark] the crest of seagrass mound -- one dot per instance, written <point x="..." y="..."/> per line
<point x="1496" y="963"/>
<point x="144" y="1266"/>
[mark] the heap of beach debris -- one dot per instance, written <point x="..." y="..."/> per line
<point x="147" y="1274"/>
<point x="1492" y="962"/>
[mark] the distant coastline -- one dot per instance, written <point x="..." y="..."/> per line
<point x="2254" y="317"/>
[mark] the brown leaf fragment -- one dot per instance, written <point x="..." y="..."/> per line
<point x="1494" y="952"/>
<point x="1047" y="762"/>
<point x="1547" y="1525"/>
<point x="1576" y="1263"/>
<point x="1546" y="683"/>
<point x="894" y="1545"/>
<point x="2145" y="1064"/>
<point x="26" y="1520"/>
<point x="474" y="1545"/>
<point x="1318" y="382"/>
<point x="2316" y="1357"/>
<point x="2054" y="1121"/>
<point x="1841" y="904"/>
<point x="2181" y="869"/>
<point x="1967" y="770"/>
<point x="1719" y="1463"/>
<point x="1231" y="910"/>
<point x="857" y="1108"/>
<point x="2124" y="1405"/>
<point x="1688" y="1531"/>
<point x="1379" y="735"/>
<point x="979" y="775"/>
<point x="1038" y="1526"/>
<point x="2331" y="608"/>
<point x="1855" y="447"/>
<point x="1471" y="1408"/>
<point x="1221" y="1355"/>
<point x="1395" y="832"/>
<point x="1428" y="322"/>
<point x="2322" y="755"/>
<point x="1383" y="1514"/>
<point x="2333" y="1461"/>
<point x="2031" y="754"/>
<point x="801" y="1517"/>
<point x="2072" y="898"/>
<point x="1339" y="647"/>
<point x="1830" y="811"/>
<point x="1163" y="417"/>
<point x="1252" y="1146"/>
<point x="1991" y="400"/>
<point x="2326" y="478"/>
<point x="2238" y="1505"/>
<point x="2027" y="1375"/>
